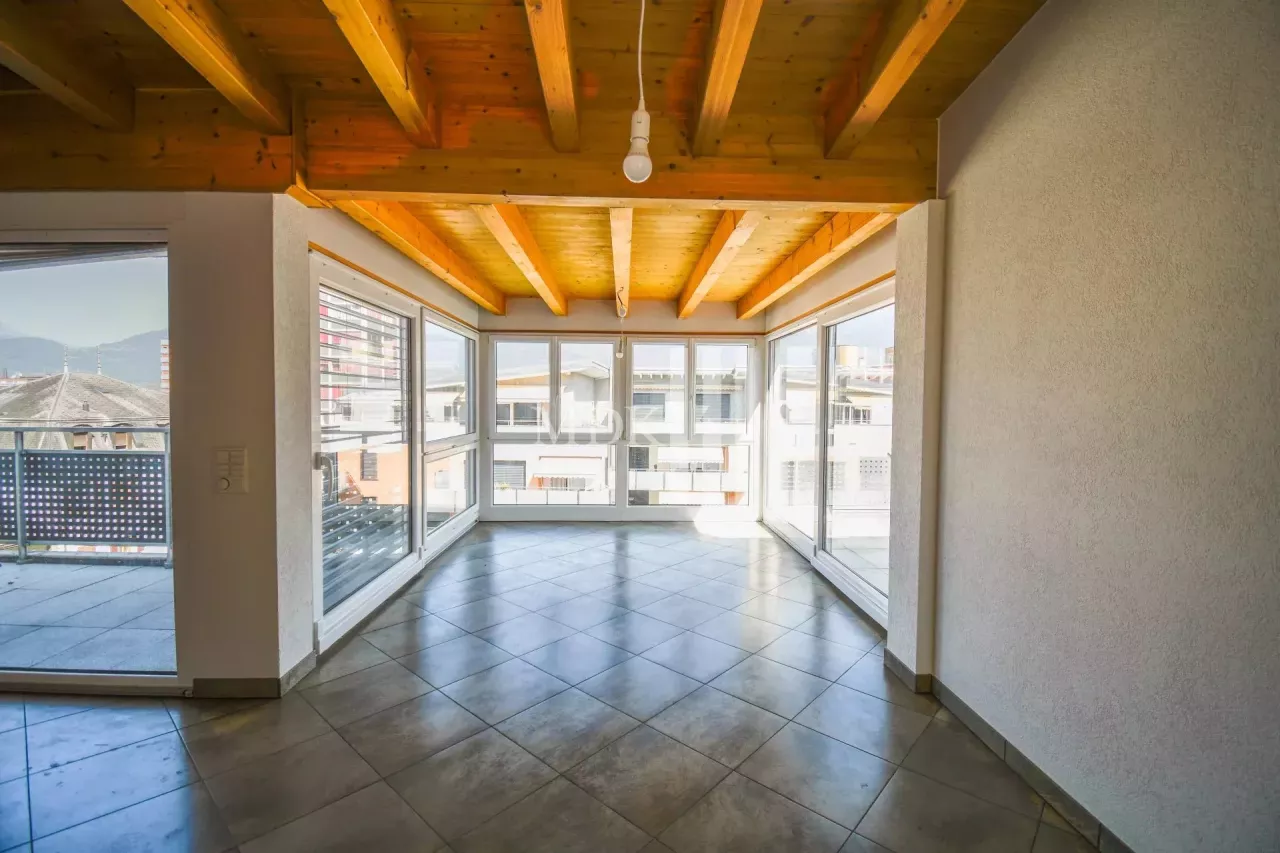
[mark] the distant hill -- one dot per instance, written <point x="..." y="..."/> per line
<point x="135" y="360"/>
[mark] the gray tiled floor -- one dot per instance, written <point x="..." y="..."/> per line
<point x="86" y="618"/>
<point x="747" y="719"/>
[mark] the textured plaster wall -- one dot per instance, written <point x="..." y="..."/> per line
<point x="1109" y="543"/>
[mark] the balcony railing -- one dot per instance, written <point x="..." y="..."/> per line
<point x="55" y="498"/>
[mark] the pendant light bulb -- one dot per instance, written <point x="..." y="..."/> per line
<point x="636" y="165"/>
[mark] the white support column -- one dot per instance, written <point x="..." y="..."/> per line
<point x="917" y="398"/>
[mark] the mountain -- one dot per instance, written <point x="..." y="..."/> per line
<point x="135" y="360"/>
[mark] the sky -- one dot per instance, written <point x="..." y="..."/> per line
<point x="86" y="304"/>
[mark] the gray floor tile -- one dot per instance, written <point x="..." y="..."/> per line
<point x="696" y="656"/>
<point x="813" y="655"/>
<point x="160" y="619"/>
<point x="444" y="596"/>
<point x="672" y="580"/>
<point x="118" y="611"/>
<point x="15" y="814"/>
<point x="681" y="611"/>
<point x="863" y="721"/>
<point x="648" y="778"/>
<point x="634" y="632"/>
<point x="86" y="789"/>
<point x="1051" y="839"/>
<point x="13" y="755"/>
<point x="851" y="631"/>
<point x="507" y="689"/>
<point x="858" y="844"/>
<point x="739" y="629"/>
<point x="218" y="745"/>
<point x="181" y="821"/>
<point x="756" y="577"/>
<point x="481" y="614"/>
<point x="555" y="567"/>
<point x="262" y="795"/>
<point x="582" y="612"/>
<point x="770" y="685"/>
<point x="725" y="595"/>
<point x="190" y="712"/>
<point x="576" y="658"/>
<point x="567" y="728"/>
<point x="718" y="725"/>
<point x="950" y="754"/>
<point x="372" y="819"/>
<point x="525" y="633"/>
<point x="656" y="846"/>
<point x="12" y="711"/>
<point x="393" y="739"/>
<point x="741" y="816"/>
<point x="115" y="648"/>
<point x="462" y="787"/>
<point x="779" y="611"/>
<point x="393" y="613"/>
<point x="808" y="589"/>
<point x="355" y="696"/>
<point x="558" y="818"/>
<point x="42" y="644"/>
<point x="918" y="814"/>
<point x="354" y="655"/>
<point x="586" y="580"/>
<point x="870" y="676"/>
<point x="68" y="739"/>
<point x="412" y="635"/>
<point x="454" y="660"/>
<point x="833" y="779"/>
<point x="630" y="594"/>
<point x="544" y="594"/>
<point x="42" y="707"/>
<point x="639" y="688"/>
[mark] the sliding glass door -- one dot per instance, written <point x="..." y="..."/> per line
<point x="791" y="447"/>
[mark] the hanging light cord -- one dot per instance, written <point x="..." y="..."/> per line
<point x="640" y="55"/>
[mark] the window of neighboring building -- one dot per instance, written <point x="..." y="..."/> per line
<point x="368" y="466"/>
<point x="508" y="474"/>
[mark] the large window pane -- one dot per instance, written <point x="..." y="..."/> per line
<point x="523" y="370"/>
<point x="720" y="388"/>
<point x="449" y="488"/>
<point x="658" y="389"/>
<point x="859" y="439"/>
<point x="586" y="386"/>
<point x="364" y="436"/>
<point x="446" y="374"/>
<point x="668" y="475"/>
<point x="544" y="474"/>
<point x="791" y="451"/>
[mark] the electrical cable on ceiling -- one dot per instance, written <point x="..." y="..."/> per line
<point x="636" y="165"/>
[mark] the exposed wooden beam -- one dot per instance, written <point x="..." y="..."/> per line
<point x="620" y="222"/>
<point x="51" y="68"/>
<point x="831" y="242"/>
<point x="393" y="223"/>
<point x="509" y="228"/>
<point x="549" y="26"/>
<point x="731" y="234"/>
<point x="298" y="189"/>
<point x="375" y="34"/>
<point x="735" y="23"/>
<point x="906" y="36"/>
<point x="207" y="39"/>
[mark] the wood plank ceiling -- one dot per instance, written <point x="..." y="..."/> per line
<point x="484" y="138"/>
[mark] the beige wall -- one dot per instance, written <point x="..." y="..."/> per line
<point x="1109" y="578"/>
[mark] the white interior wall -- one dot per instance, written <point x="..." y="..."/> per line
<point x="871" y="261"/>
<point x="1109" y="578"/>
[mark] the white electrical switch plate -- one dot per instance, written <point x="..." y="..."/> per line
<point x="231" y="470"/>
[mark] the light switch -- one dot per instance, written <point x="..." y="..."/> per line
<point x="231" y="470"/>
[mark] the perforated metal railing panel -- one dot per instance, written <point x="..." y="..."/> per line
<point x="8" y="506"/>
<point x="83" y="496"/>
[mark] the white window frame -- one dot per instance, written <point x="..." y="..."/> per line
<point x="471" y="437"/>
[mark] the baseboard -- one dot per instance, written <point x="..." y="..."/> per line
<point x="917" y="682"/>
<point x="1077" y="815"/>
<point x="235" y="688"/>
<point x="298" y="672"/>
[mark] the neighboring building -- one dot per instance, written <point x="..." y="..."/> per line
<point x="164" y="365"/>
<point x="89" y="405"/>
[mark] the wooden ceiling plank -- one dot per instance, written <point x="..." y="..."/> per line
<point x="27" y="51"/>
<point x="906" y="36"/>
<point x="621" y="220"/>
<point x="382" y="44"/>
<point x="832" y="241"/>
<point x="549" y="27"/>
<point x="397" y="226"/>
<point x="298" y="189"/>
<point x="735" y="23"/>
<point x="509" y="228"/>
<point x="208" y="40"/>
<point x="731" y="234"/>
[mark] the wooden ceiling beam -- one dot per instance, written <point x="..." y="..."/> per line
<point x="832" y="241"/>
<point x="735" y="23"/>
<point x="28" y="52"/>
<point x="731" y="234"/>
<point x="375" y="34"/>
<point x="549" y="27"/>
<point x="621" y="220"/>
<point x="396" y="225"/>
<point x="509" y="228"/>
<point x="207" y="39"/>
<point x="903" y="39"/>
